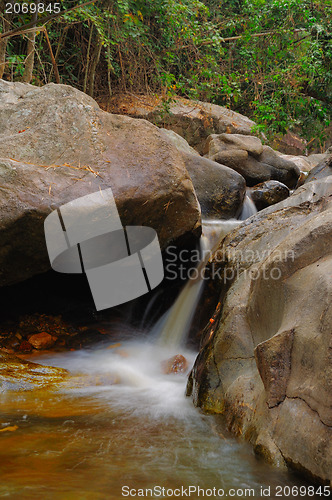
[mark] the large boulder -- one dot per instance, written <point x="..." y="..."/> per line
<point x="268" y="193"/>
<point x="194" y="121"/>
<point x="290" y="144"/>
<point x="220" y="190"/>
<point x="267" y="366"/>
<point x="255" y="162"/>
<point x="228" y="142"/>
<point x="56" y="145"/>
<point x="284" y="170"/>
<point x="323" y="169"/>
<point x="316" y="159"/>
<point x="179" y="142"/>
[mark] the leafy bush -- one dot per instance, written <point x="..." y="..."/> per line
<point x="277" y="70"/>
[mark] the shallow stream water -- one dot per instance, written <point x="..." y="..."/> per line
<point x="119" y="427"/>
<point x="120" y="422"/>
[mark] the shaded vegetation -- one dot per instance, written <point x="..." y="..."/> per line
<point x="268" y="59"/>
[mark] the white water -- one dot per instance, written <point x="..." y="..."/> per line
<point x="119" y="420"/>
<point x="129" y="376"/>
<point x="129" y="373"/>
<point x="248" y="208"/>
<point x="174" y="327"/>
<point x="96" y="435"/>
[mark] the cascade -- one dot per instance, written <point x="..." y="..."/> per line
<point x="248" y="208"/>
<point x="175" y="324"/>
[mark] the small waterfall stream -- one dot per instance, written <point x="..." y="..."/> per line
<point x="174" y="327"/>
<point x="122" y="422"/>
<point x="248" y="208"/>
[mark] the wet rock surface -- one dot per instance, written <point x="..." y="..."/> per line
<point x="42" y="340"/>
<point x="268" y="193"/>
<point x="176" y="364"/>
<point x="20" y="375"/>
<point x="267" y="367"/>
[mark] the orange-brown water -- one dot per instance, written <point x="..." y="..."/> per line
<point x="94" y="437"/>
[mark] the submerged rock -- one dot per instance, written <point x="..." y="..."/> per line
<point x="267" y="367"/>
<point x="56" y="145"/>
<point x="175" y="364"/>
<point x="20" y="375"/>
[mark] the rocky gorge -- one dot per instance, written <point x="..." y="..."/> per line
<point x="265" y="361"/>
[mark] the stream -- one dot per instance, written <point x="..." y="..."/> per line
<point x="121" y="425"/>
<point x="96" y="437"/>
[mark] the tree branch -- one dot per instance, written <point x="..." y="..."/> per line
<point x="276" y="32"/>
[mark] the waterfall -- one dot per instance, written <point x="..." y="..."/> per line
<point x="248" y="208"/>
<point x="175" y="324"/>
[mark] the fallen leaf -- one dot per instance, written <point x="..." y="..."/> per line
<point x="9" y="429"/>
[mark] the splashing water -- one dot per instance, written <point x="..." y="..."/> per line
<point x="120" y="420"/>
<point x="248" y="209"/>
<point x="175" y="324"/>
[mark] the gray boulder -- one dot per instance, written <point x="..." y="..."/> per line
<point x="323" y="169"/>
<point x="267" y="368"/>
<point x="316" y="159"/>
<point x="233" y="158"/>
<point x="56" y="145"/>
<point x="268" y="193"/>
<point x="226" y="142"/>
<point x="285" y="170"/>
<point x="179" y="142"/>
<point x="255" y="162"/>
<point x="220" y="190"/>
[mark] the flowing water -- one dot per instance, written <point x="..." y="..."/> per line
<point x="120" y="423"/>
<point x="173" y="328"/>
<point x="248" y="208"/>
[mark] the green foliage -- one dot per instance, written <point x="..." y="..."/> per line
<point x="282" y="80"/>
<point x="16" y="65"/>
